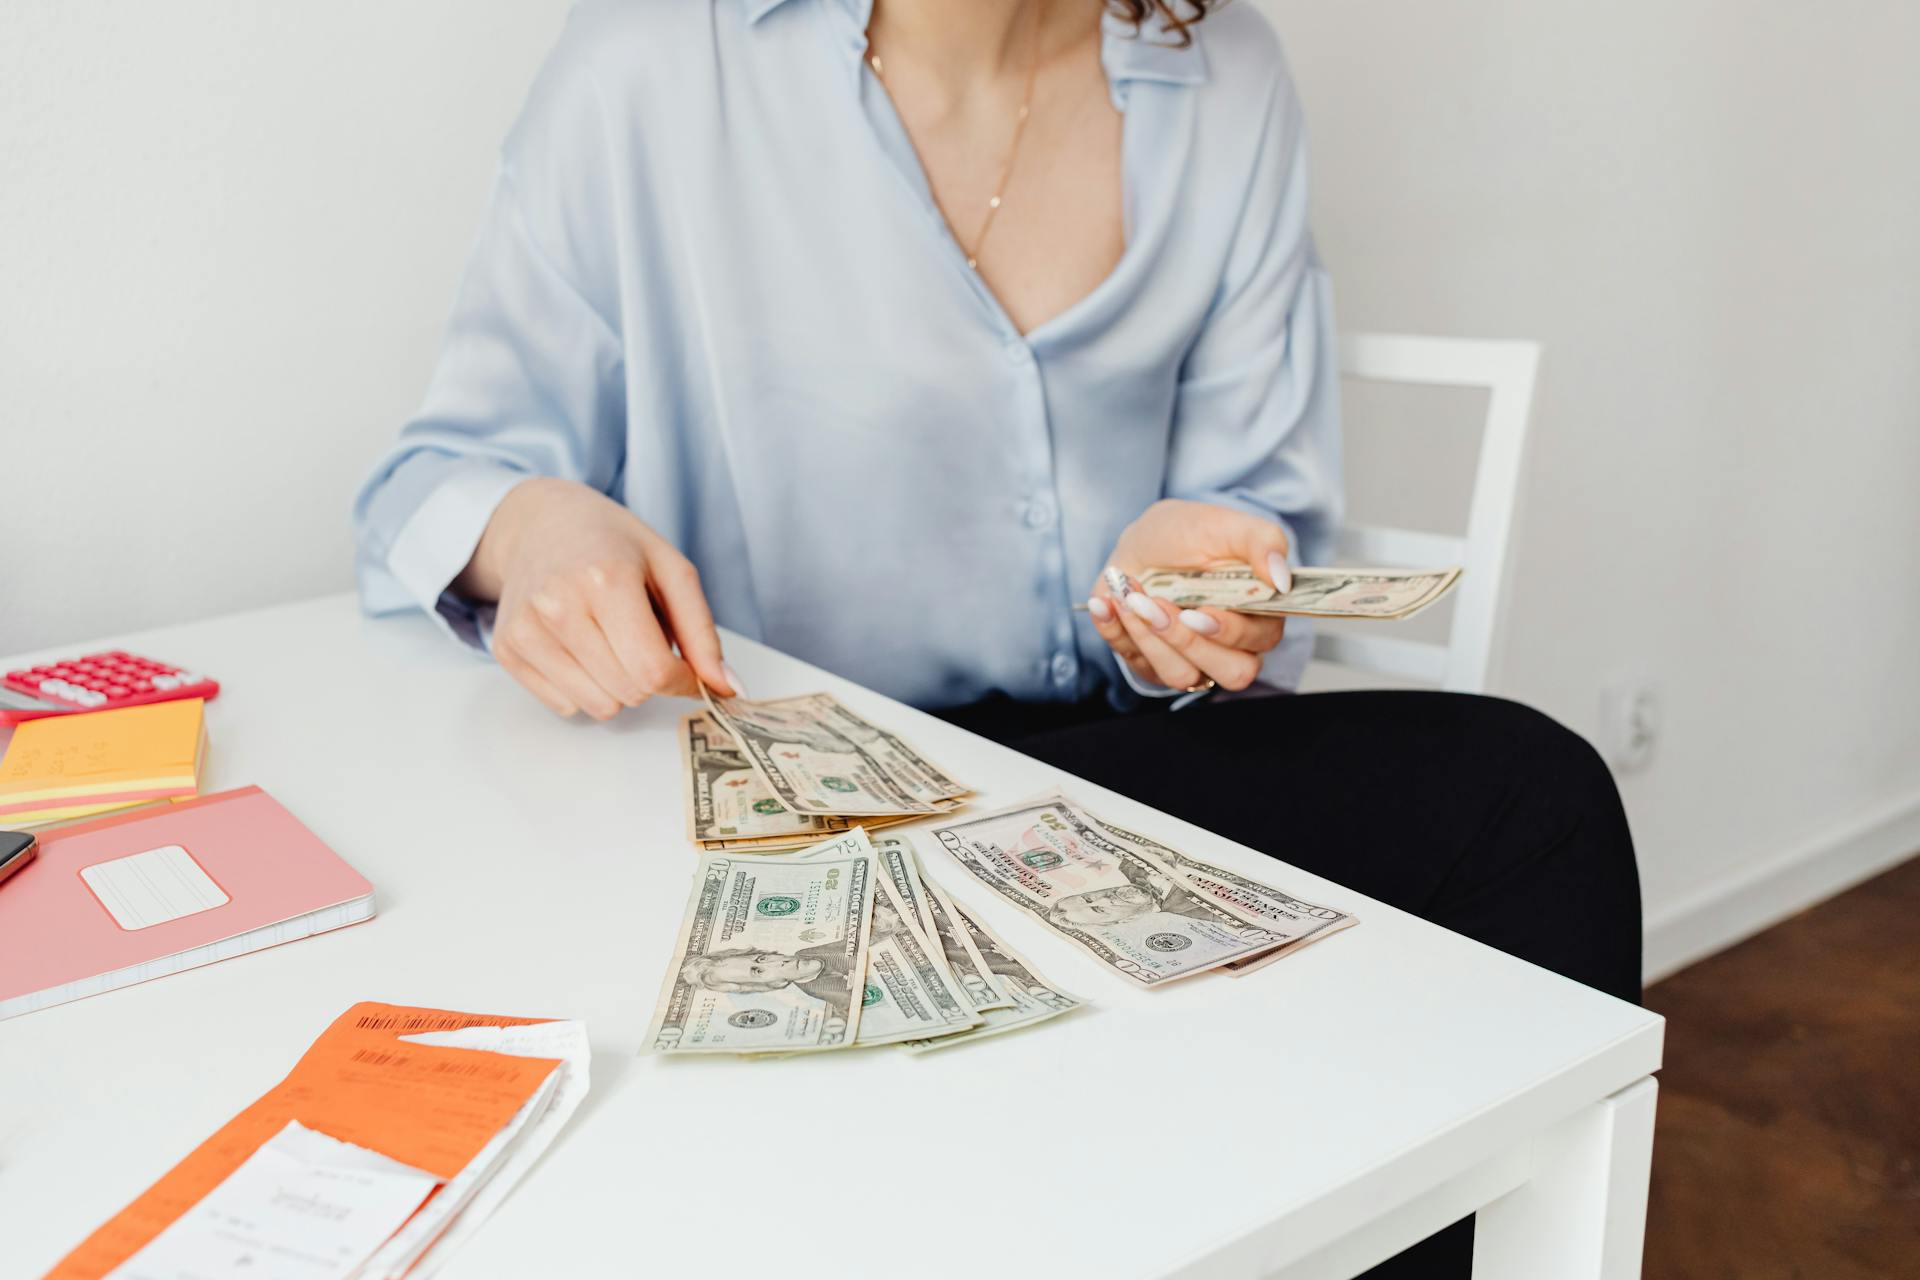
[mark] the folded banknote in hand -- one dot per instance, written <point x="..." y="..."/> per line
<point x="1383" y="594"/>
<point x="1387" y="594"/>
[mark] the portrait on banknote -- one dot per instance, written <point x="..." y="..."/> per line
<point x="822" y="971"/>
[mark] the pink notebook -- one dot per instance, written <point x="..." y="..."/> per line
<point x="119" y="900"/>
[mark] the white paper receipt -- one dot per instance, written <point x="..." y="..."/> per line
<point x="145" y="889"/>
<point x="303" y="1206"/>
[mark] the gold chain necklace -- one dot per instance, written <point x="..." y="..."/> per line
<point x="1013" y="148"/>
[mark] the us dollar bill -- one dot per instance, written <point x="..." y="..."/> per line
<point x="728" y="801"/>
<point x="817" y="757"/>
<point x="730" y="806"/>
<point x="1121" y="905"/>
<point x="1385" y="594"/>
<point x="772" y="954"/>
<point x="909" y="993"/>
<point x="1031" y="998"/>
<point x="900" y="860"/>
<point x="1298" y="922"/>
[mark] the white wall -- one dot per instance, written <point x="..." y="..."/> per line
<point x="229" y="233"/>
<point x="1710" y="213"/>
<point x="229" y="236"/>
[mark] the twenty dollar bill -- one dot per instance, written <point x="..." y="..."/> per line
<point x="1298" y="923"/>
<point x="940" y="921"/>
<point x="1118" y="902"/>
<point x="772" y="954"/>
<point x="1030" y="998"/>
<point x="909" y="992"/>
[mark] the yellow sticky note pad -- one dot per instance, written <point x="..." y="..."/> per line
<point x="96" y="759"/>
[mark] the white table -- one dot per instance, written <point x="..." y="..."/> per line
<point x="1305" y="1121"/>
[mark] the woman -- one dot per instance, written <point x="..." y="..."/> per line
<point x="878" y="329"/>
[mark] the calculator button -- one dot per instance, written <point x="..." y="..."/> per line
<point x="143" y="686"/>
<point x="117" y="691"/>
<point x="51" y="685"/>
<point x="165" y="682"/>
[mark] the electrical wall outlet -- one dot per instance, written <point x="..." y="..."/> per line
<point x="1629" y="724"/>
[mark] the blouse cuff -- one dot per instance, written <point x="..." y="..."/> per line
<point x="439" y="539"/>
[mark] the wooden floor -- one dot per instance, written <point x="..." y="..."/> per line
<point x="1788" y="1145"/>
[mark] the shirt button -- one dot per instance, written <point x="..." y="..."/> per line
<point x="1018" y="352"/>
<point x="1039" y="514"/>
<point x="1064" y="668"/>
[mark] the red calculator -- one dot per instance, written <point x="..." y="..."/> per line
<point x="97" y="682"/>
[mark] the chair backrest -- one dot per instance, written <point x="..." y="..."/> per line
<point x="1506" y="370"/>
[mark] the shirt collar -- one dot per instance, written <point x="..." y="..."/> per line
<point x="758" y="9"/>
<point x="1152" y="54"/>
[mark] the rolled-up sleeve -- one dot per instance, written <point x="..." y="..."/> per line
<point x="1257" y="414"/>
<point x="529" y="378"/>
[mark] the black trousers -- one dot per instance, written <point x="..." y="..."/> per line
<point x="1482" y="815"/>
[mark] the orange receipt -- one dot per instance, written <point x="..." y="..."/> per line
<point x="430" y="1107"/>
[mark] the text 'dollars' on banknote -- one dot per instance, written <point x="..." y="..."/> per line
<point x="1117" y="902"/>
<point x="772" y="954"/>
<point x="817" y="757"/>
<point x="1385" y="594"/>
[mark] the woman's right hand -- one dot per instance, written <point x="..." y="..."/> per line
<point x="583" y="587"/>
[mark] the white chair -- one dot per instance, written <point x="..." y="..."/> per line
<point x="1506" y="370"/>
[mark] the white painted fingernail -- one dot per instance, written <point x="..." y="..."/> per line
<point x="1281" y="574"/>
<point x="1195" y="620"/>
<point x="1147" y="611"/>
<point x="733" y="681"/>
<point x="1100" y="609"/>
<point x="1117" y="582"/>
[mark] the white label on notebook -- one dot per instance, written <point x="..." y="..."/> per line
<point x="145" y="889"/>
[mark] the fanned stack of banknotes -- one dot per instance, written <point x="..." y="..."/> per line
<point x="847" y="942"/>
<point x="786" y="773"/>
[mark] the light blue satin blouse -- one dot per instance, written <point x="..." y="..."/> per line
<point x="712" y="282"/>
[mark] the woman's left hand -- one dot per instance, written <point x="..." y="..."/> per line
<point x="1186" y="648"/>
